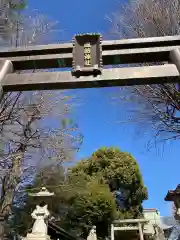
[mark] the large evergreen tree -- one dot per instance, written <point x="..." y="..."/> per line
<point x="121" y="172"/>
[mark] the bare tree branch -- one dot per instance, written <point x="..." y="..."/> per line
<point x="155" y="106"/>
<point x="27" y="135"/>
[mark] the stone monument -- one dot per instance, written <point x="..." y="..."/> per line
<point x="40" y="214"/>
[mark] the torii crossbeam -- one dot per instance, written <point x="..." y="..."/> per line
<point x="92" y="63"/>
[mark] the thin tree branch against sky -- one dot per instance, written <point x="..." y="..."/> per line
<point x="155" y="106"/>
<point x="25" y="133"/>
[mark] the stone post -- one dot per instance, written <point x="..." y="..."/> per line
<point x="175" y="57"/>
<point x="140" y="231"/>
<point x="6" y="67"/>
<point x="112" y="232"/>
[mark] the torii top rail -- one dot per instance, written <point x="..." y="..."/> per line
<point x="158" y="49"/>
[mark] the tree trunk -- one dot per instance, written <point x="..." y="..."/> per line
<point x="2" y="228"/>
<point x="9" y="185"/>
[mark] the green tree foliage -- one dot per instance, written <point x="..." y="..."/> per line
<point x="121" y="172"/>
<point x="95" y="191"/>
<point x="51" y="176"/>
<point x="77" y="204"/>
<point x="94" y="204"/>
<point x="17" y="5"/>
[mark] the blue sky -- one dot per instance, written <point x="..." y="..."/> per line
<point x="97" y="117"/>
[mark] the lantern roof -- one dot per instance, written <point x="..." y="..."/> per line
<point x="171" y="194"/>
<point x="42" y="193"/>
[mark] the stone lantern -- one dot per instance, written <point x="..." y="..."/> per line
<point x="40" y="214"/>
<point x="174" y="196"/>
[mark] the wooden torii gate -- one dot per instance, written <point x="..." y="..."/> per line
<point x="89" y="62"/>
